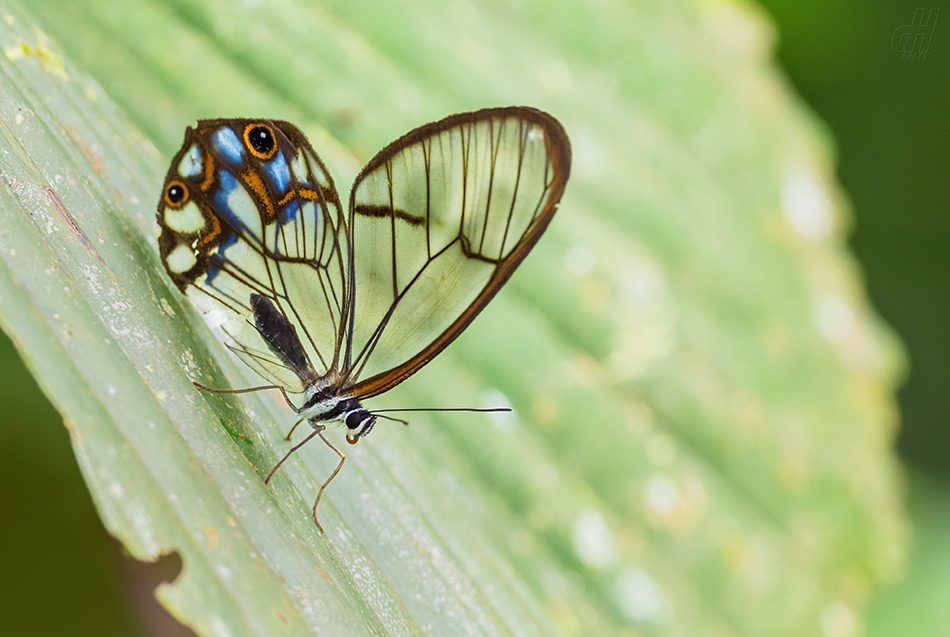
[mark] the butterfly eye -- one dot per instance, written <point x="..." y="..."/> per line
<point x="354" y="419"/>
<point x="176" y="194"/>
<point x="260" y="140"/>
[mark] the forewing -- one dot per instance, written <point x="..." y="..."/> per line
<point x="439" y="220"/>
<point x="259" y="235"/>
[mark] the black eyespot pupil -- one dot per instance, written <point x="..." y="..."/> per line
<point x="354" y="419"/>
<point x="176" y="194"/>
<point x="261" y="139"/>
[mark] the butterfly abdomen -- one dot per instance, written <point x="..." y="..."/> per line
<point x="281" y="336"/>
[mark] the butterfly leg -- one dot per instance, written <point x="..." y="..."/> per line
<point x="292" y="450"/>
<point x="292" y="429"/>
<point x="290" y="404"/>
<point x="332" y="475"/>
<point x="282" y="391"/>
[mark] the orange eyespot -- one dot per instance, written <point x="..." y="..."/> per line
<point x="176" y="194"/>
<point x="260" y="140"/>
<point x="352" y="438"/>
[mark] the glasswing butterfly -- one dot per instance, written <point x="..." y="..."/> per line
<point x="342" y="305"/>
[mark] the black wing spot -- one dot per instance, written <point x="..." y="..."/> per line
<point x="175" y="194"/>
<point x="369" y="210"/>
<point x="260" y="140"/>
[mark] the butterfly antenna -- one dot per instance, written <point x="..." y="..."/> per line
<point x="380" y="412"/>
<point x="376" y="413"/>
<point x="479" y="411"/>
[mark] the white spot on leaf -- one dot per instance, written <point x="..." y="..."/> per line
<point x="834" y="318"/>
<point x="640" y="598"/>
<point x="806" y="205"/>
<point x="662" y="494"/>
<point x="594" y="544"/>
<point x="580" y="261"/>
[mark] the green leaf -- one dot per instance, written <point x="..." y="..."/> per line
<point x="703" y="397"/>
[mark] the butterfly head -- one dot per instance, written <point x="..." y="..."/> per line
<point x="359" y="422"/>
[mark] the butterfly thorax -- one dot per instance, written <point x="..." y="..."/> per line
<point x="321" y="407"/>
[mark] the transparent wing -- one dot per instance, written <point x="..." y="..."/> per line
<point x="439" y="220"/>
<point x="252" y="226"/>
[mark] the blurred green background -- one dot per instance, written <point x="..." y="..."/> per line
<point x="889" y="116"/>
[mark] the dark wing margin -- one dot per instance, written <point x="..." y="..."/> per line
<point x="438" y="221"/>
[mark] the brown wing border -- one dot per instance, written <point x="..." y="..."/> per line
<point x="559" y="153"/>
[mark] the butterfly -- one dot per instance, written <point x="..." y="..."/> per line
<point x="341" y="305"/>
